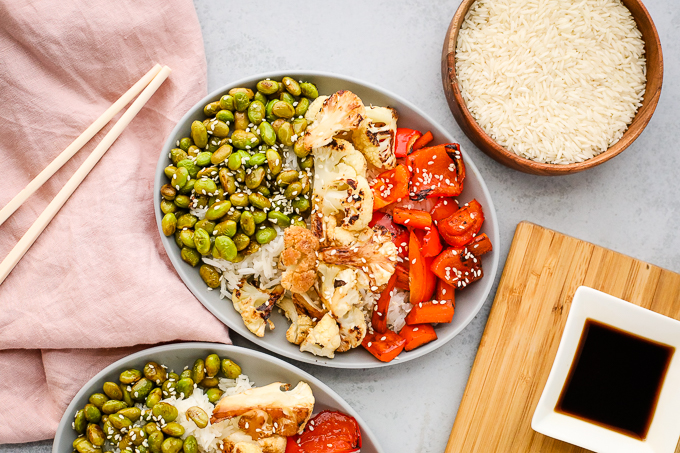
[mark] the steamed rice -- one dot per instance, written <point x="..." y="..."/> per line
<point x="556" y="81"/>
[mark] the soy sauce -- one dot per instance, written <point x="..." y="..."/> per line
<point x="615" y="379"/>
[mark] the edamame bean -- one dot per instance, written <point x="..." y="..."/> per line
<point x="226" y="228"/>
<point x="199" y="134"/>
<point x="255" y="177"/>
<point x="241" y="241"/>
<point x="241" y="101"/>
<point x="241" y="121"/>
<point x="169" y="224"/>
<point x="265" y="235"/>
<point x="309" y="90"/>
<point x="227" y="102"/>
<point x="274" y="161"/>
<point x="190" y="256"/>
<point x="218" y="210"/>
<point x="267" y="86"/>
<point x="259" y="201"/>
<point x="259" y="216"/>
<point x="222" y="153"/>
<point x="230" y="369"/>
<point x="202" y="241"/>
<point x="301" y="107"/>
<point x="185" y="143"/>
<point x="282" y="109"/>
<point x="212" y="108"/>
<point x="113" y="391"/>
<point x="301" y="204"/>
<point x="267" y="133"/>
<point x="184" y="221"/>
<point x="177" y="155"/>
<point x="279" y="218"/>
<point x="247" y="223"/>
<point x="224" y="248"/>
<point x="293" y="190"/>
<point x="239" y="199"/>
<point x="205" y="186"/>
<point x="256" y="112"/>
<point x="257" y="159"/>
<point x="180" y="178"/>
<point x="286" y="133"/>
<point x="292" y="86"/>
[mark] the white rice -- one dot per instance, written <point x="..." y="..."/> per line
<point x="398" y="309"/>
<point x="263" y="265"/>
<point x="209" y="438"/>
<point x="556" y="81"/>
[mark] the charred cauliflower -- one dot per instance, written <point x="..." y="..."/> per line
<point x="352" y="329"/>
<point x="375" y="137"/>
<point x="343" y="111"/>
<point x="255" y="305"/>
<point x="299" y="259"/>
<point x="300" y="323"/>
<point x="375" y="255"/>
<point x="314" y="108"/>
<point x="338" y="288"/>
<point x="323" y="339"/>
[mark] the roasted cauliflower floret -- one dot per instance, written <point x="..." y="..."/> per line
<point x="337" y="160"/>
<point x="299" y="259"/>
<point x="349" y="200"/>
<point x="352" y="329"/>
<point x="300" y="323"/>
<point x="310" y="303"/>
<point x="375" y="137"/>
<point x="342" y="111"/>
<point x="323" y="339"/>
<point x="314" y="108"/>
<point x="338" y="288"/>
<point x="273" y="444"/>
<point x="282" y="405"/>
<point x="375" y="254"/>
<point x="255" y="305"/>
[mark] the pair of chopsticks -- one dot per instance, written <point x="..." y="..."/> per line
<point x="149" y="84"/>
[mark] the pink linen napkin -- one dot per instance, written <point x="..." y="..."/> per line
<point x="97" y="283"/>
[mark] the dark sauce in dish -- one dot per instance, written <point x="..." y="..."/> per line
<point x="615" y="379"/>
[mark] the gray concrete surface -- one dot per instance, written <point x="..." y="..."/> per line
<point x="630" y="204"/>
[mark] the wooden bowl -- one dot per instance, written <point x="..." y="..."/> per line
<point x="480" y="138"/>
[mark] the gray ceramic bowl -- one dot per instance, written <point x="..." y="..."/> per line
<point x="260" y="368"/>
<point x="468" y="302"/>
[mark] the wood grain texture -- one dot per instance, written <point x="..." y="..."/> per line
<point x="480" y="138"/>
<point x="524" y="329"/>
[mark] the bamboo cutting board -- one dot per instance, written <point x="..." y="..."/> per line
<point x="524" y="328"/>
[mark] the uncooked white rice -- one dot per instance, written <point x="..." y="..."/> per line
<point x="556" y="81"/>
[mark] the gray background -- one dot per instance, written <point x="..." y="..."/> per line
<point x="630" y="204"/>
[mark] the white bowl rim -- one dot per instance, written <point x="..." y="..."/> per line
<point x="65" y="422"/>
<point x="489" y="210"/>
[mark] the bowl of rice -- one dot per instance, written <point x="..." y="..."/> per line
<point x="552" y="87"/>
<point x="258" y="370"/>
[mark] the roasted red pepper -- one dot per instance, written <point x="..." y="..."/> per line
<point x="405" y="140"/>
<point x="461" y="227"/>
<point x="436" y="171"/>
<point x="384" y="346"/>
<point x="421" y="279"/>
<point x="379" y="316"/>
<point x="479" y="245"/>
<point x="443" y="208"/>
<point x="327" y="432"/>
<point x="400" y="234"/>
<point x="402" y="276"/>
<point x="417" y="335"/>
<point x="432" y="245"/>
<point x="445" y="292"/>
<point x="423" y="141"/>
<point x="458" y="267"/>
<point x="431" y="311"/>
<point x="390" y="186"/>
<point x="412" y="218"/>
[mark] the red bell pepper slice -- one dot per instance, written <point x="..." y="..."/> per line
<point x="401" y="272"/>
<point x="412" y="218"/>
<point x="417" y="335"/>
<point x="431" y="311"/>
<point x="443" y="208"/>
<point x="400" y="235"/>
<point x="390" y="186"/>
<point x="421" y="279"/>
<point x="423" y="141"/>
<point x="327" y="432"/>
<point x="384" y="346"/>
<point x="405" y="140"/>
<point x="436" y="171"/>
<point x="432" y="245"/>
<point x="458" y="267"/>
<point x="379" y="316"/>
<point x="461" y="227"/>
<point x="445" y="291"/>
<point x="479" y="245"/>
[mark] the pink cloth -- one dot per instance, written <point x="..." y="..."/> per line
<point x="97" y="283"/>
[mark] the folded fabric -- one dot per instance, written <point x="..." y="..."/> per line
<point x="97" y="283"/>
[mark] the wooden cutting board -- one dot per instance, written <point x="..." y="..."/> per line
<point x="525" y="325"/>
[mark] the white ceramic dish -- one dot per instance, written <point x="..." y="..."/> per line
<point x="664" y="430"/>
<point x="260" y="368"/>
<point x="468" y="302"/>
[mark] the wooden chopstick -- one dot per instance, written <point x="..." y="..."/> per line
<point x="78" y="143"/>
<point x="51" y="210"/>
